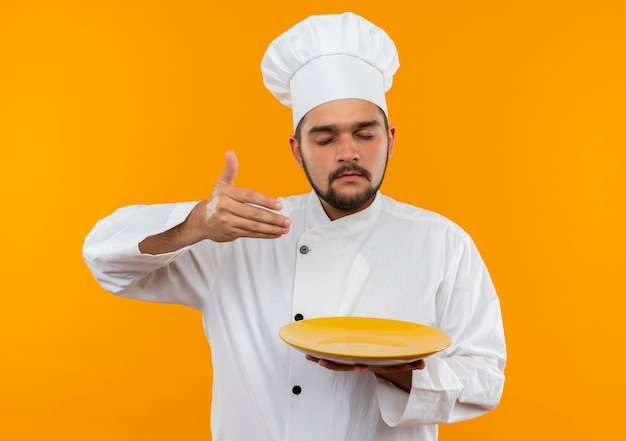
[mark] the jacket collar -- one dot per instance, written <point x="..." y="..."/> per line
<point x="350" y="225"/>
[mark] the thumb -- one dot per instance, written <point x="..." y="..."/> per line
<point x="229" y="172"/>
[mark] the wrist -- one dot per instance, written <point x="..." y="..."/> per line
<point x="402" y="380"/>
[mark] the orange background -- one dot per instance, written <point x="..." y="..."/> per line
<point x="510" y="121"/>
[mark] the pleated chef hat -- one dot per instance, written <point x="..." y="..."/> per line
<point x="330" y="57"/>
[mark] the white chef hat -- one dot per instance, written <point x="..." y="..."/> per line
<point x="330" y="57"/>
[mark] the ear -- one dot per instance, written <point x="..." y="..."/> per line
<point x="295" y="150"/>
<point x="391" y="134"/>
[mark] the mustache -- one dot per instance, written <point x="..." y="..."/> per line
<point x="349" y="168"/>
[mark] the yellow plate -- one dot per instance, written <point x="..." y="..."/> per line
<point x="363" y="340"/>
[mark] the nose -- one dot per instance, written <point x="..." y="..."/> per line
<point x="347" y="150"/>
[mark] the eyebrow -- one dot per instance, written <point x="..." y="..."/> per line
<point x="335" y="127"/>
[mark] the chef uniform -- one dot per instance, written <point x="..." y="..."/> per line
<point x="389" y="260"/>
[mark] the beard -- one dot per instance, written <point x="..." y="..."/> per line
<point x="346" y="202"/>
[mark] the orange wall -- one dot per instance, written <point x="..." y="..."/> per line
<point x="511" y="121"/>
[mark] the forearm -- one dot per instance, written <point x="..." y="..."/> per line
<point x="174" y="239"/>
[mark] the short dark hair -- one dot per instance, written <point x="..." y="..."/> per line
<point x="298" y="133"/>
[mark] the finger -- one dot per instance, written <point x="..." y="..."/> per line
<point x="239" y="233"/>
<point x="254" y="218"/>
<point x="335" y="366"/>
<point x="251" y="197"/>
<point x="418" y="365"/>
<point x="396" y="369"/>
<point x="240" y="220"/>
<point x="227" y="219"/>
<point x="230" y="170"/>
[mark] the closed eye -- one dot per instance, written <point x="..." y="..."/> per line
<point x="324" y="141"/>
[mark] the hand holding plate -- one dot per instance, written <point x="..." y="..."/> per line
<point x="377" y="369"/>
<point x="399" y="374"/>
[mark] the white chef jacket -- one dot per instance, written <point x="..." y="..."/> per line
<point x="390" y="260"/>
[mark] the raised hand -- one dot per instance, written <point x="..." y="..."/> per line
<point x="232" y="212"/>
<point x="229" y="213"/>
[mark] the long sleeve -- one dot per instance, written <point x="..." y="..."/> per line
<point x="111" y="251"/>
<point x="467" y="379"/>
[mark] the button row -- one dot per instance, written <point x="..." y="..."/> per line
<point x="297" y="389"/>
<point x="303" y="250"/>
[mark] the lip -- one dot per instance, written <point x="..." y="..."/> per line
<point x="349" y="177"/>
